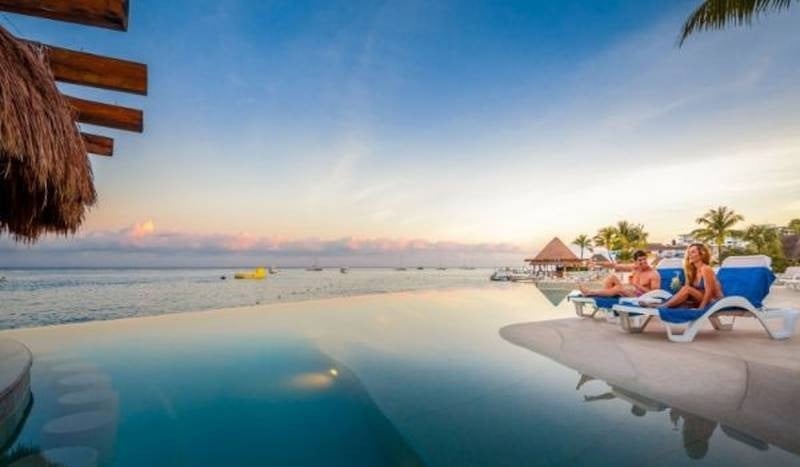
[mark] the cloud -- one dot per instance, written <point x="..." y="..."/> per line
<point x="144" y="229"/>
<point x="144" y="238"/>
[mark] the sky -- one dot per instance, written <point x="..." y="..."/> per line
<point x="426" y="132"/>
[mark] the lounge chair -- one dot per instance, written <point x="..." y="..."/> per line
<point x="790" y="278"/>
<point x="668" y="268"/>
<point x="745" y="281"/>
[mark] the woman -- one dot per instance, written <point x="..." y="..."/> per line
<point x="702" y="286"/>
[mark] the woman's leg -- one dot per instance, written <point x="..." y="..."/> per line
<point x="685" y="294"/>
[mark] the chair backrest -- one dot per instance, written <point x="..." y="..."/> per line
<point x="669" y="269"/>
<point x="747" y="276"/>
<point x="750" y="261"/>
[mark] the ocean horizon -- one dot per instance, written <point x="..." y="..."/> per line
<point x="48" y="296"/>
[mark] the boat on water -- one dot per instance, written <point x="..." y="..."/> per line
<point x="420" y="268"/>
<point x="508" y="274"/>
<point x="257" y="273"/>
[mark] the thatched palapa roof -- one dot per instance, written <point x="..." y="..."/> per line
<point x="46" y="181"/>
<point x="555" y="252"/>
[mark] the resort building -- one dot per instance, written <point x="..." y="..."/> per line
<point x="661" y="250"/>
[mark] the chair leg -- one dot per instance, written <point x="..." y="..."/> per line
<point x="579" y="310"/>
<point x="628" y="322"/>
<point x="789" y="321"/>
<point x="687" y="335"/>
<point x="717" y="323"/>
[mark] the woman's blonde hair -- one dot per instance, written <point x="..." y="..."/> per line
<point x="688" y="266"/>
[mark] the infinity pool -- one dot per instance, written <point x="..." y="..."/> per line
<point x="422" y="378"/>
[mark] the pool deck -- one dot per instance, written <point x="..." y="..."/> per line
<point x="742" y="378"/>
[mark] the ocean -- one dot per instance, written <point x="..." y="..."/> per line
<point x="41" y="297"/>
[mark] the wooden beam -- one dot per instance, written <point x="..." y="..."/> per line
<point x="100" y="145"/>
<point x="111" y="14"/>
<point x="71" y="66"/>
<point x="111" y="116"/>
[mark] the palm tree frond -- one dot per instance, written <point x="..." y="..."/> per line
<point x="716" y="14"/>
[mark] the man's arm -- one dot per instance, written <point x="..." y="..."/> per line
<point x="627" y="267"/>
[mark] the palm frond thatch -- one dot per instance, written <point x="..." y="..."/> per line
<point x="46" y="181"/>
<point x="716" y="14"/>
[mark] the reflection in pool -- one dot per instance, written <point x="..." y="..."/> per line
<point x="401" y="379"/>
<point x="696" y="431"/>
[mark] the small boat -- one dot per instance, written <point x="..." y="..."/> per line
<point x="515" y="275"/>
<point x="500" y="276"/>
<point x="343" y="270"/>
<point x="420" y="268"/>
<point x="314" y="268"/>
<point x="257" y="273"/>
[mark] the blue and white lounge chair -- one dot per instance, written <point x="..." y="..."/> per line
<point x="668" y="269"/>
<point x="745" y="281"/>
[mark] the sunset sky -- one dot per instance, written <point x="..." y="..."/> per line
<point x="394" y="132"/>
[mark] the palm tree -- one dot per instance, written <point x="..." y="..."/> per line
<point x="762" y="239"/>
<point x="716" y="14"/>
<point x="794" y="225"/>
<point x="583" y="241"/>
<point x="605" y="237"/>
<point x="716" y="225"/>
<point x="628" y="237"/>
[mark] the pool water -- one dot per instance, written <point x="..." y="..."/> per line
<point x="418" y="378"/>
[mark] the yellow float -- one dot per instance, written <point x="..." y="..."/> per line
<point x="257" y="273"/>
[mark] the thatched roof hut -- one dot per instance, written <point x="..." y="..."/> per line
<point x="555" y="252"/>
<point x="46" y="181"/>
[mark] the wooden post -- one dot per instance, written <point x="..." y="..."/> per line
<point x="70" y="66"/>
<point x="112" y="116"/>
<point x="110" y="14"/>
<point x="100" y="145"/>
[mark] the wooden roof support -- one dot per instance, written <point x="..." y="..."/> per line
<point x="111" y="116"/>
<point x="110" y="14"/>
<point x="70" y="66"/>
<point x="100" y="145"/>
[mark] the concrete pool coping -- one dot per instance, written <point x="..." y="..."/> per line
<point x="15" y="365"/>
<point x="741" y="378"/>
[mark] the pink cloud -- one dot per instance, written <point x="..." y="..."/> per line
<point x="144" y="237"/>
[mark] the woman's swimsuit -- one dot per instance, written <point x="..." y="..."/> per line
<point x="700" y="285"/>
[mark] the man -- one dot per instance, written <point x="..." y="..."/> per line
<point x="643" y="279"/>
